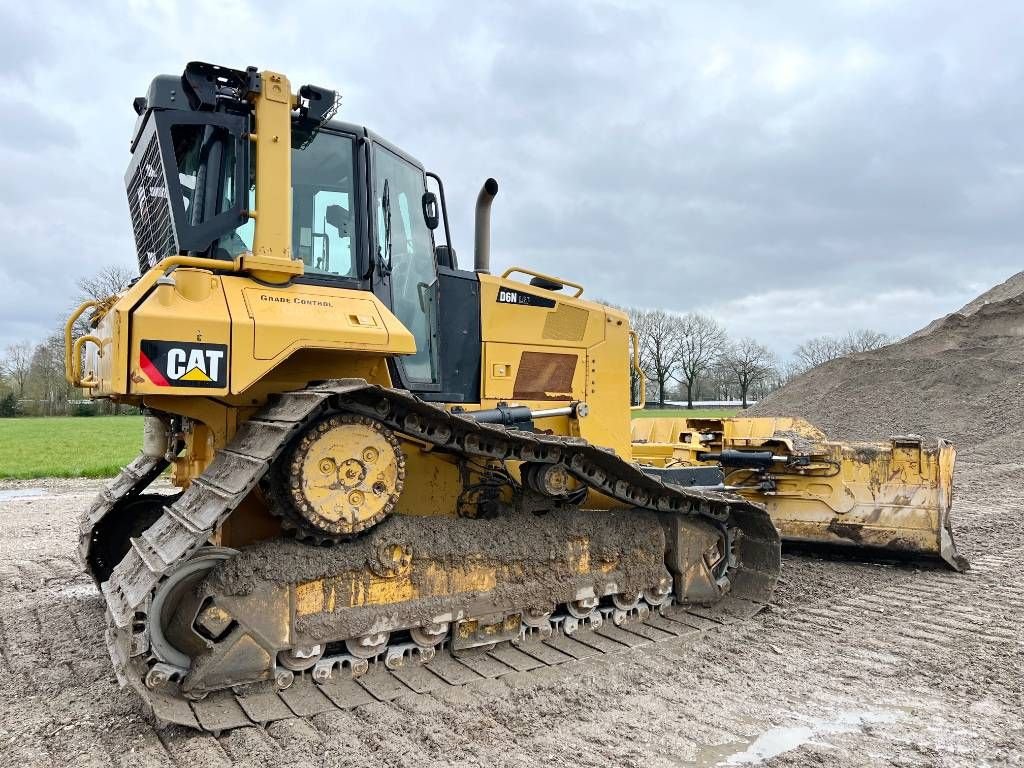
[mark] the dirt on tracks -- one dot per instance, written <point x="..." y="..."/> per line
<point x="855" y="664"/>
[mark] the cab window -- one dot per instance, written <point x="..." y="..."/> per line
<point x="323" y="206"/>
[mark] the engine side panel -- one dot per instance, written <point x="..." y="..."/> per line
<point x="546" y="348"/>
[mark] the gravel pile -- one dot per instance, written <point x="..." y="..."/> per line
<point x="960" y="378"/>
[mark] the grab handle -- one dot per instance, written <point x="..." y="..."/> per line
<point x="532" y="273"/>
<point x="76" y="362"/>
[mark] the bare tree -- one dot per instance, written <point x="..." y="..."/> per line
<point x="818" y="350"/>
<point x="637" y="321"/>
<point x="821" y="349"/>
<point x="865" y="340"/>
<point x="46" y="382"/>
<point x="16" y="366"/>
<point x="701" y="341"/>
<point x="749" y="363"/>
<point x="789" y="371"/>
<point x="110" y="280"/>
<point x="659" y="333"/>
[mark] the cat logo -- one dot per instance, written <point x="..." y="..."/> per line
<point x="181" y="364"/>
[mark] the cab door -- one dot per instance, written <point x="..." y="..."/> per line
<point x="405" y="263"/>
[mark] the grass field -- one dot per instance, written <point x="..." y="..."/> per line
<point x="684" y="413"/>
<point x="66" y="446"/>
<point x="99" y="446"/>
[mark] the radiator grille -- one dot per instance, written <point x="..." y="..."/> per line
<point x="567" y="323"/>
<point x="151" y="209"/>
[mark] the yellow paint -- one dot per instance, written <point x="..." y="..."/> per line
<point x="195" y="374"/>
<point x="309" y="598"/>
<point x="271" y="260"/>
<point x="890" y="494"/>
<point x="601" y="378"/>
<point x="275" y="323"/>
<point x="432" y="482"/>
<point x="349" y="474"/>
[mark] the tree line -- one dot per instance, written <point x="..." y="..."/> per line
<point x="32" y="379"/>
<point x="691" y="357"/>
<point x="683" y="356"/>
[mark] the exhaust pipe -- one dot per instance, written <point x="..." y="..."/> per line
<point x="482" y="237"/>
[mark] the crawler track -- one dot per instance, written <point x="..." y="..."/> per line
<point x="306" y="697"/>
<point x="187" y="525"/>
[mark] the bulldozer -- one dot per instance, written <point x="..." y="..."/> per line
<point x="391" y="473"/>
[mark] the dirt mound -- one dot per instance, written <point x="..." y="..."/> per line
<point x="1008" y="289"/>
<point x="959" y="378"/>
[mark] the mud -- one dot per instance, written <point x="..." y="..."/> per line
<point x="535" y="560"/>
<point x="941" y="650"/>
<point x="958" y="379"/>
<point x="614" y="537"/>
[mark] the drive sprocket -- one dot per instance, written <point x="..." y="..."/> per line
<point x="343" y="475"/>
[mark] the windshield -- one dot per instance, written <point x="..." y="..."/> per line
<point x="323" y="208"/>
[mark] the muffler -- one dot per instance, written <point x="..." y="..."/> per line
<point x="482" y="236"/>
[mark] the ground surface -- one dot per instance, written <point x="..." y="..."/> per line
<point x="856" y="664"/>
<point x="67" y="446"/>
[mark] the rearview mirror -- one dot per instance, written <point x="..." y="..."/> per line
<point x="431" y="214"/>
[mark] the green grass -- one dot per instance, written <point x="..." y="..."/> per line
<point x="686" y="413"/>
<point x="66" y="446"/>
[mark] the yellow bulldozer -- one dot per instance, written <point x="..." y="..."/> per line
<point x="394" y="474"/>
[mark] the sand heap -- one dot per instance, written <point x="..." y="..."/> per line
<point x="961" y="378"/>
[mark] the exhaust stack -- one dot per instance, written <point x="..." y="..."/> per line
<point x="482" y="237"/>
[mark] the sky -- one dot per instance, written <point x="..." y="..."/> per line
<point x="792" y="169"/>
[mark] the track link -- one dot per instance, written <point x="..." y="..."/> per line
<point x="188" y="524"/>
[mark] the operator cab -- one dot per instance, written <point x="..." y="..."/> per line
<point x="362" y="215"/>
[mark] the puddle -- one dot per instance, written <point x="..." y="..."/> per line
<point x="785" y="738"/>
<point x="79" y="591"/>
<point x="23" y="493"/>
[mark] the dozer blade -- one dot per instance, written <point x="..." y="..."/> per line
<point x="894" y="496"/>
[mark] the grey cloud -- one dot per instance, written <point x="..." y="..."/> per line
<point x="25" y="129"/>
<point x="793" y="169"/>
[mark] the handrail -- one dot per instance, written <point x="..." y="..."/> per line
<point x="635" y="364"/>
<point x="68" y="326"/>
<point x="199" y="262"/>
<point x="541" y="275"/>
<point x="76" y="361"/>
